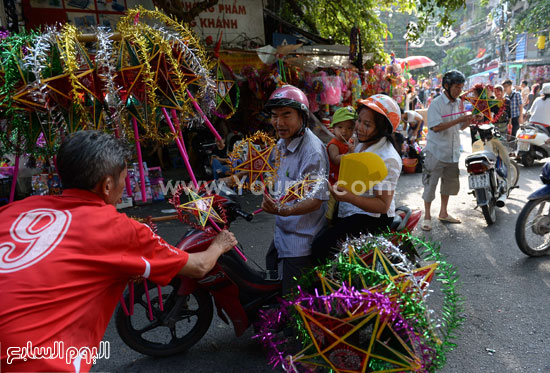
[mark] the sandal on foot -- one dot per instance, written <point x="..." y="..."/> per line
<point x="450" y="219"/>
<point x="426" y="225"/>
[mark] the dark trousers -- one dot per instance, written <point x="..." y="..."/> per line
<point x="515" y="127"/>
<point x="327" y="240"/>
<point x="292" y="267"/>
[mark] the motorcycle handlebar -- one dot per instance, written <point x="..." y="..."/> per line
<point x="245" y="215"/>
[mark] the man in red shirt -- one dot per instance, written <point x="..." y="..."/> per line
<point x="65" y="260"/>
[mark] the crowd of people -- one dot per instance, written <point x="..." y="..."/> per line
<point x="66" y="259"/>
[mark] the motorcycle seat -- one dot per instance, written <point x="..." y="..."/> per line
<point x="484" y="155"/>
<point x="542" y="128"/>
<point x="235" y="267"/>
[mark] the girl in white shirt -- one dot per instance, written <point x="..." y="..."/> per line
<point x="373" y="211"/>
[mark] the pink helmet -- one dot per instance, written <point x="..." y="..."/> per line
<point x="288" y="95"/>
<point x="384" y="105"/>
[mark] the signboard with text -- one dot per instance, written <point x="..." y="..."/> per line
<point x="241" y="22"/>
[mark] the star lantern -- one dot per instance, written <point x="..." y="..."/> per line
<point x="202" y="208"/>
<point x="252" y="156"/>
<point x="301" y="189"/>
<point x="483" y="104"/>
<point x="353" y="331"/>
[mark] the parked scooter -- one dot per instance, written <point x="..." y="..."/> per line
<point x="533" y="224"/>
<point x="492" y="174"/>
<point x="169" y="320"/>
<point x="532" y="145"/>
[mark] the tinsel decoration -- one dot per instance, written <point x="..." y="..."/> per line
<point x="40" y="61"/>
<point x="105" y="62"/>
<point x="338" y="333"/>
<point x="305" y="187"/>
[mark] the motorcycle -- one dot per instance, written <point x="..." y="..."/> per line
<point x="531" y="139"/>
<point x="533" y="224"/>
<point x="169" y="320"/>
<point x="492" y="174"/>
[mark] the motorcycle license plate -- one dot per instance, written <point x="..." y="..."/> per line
<point x="478" y="181"/>
<point x="523" y="146"/>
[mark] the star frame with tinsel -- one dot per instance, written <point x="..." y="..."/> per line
<point x="200" y="205"/>
<point x="256" y="156"/>
<point x="482" y="103"/>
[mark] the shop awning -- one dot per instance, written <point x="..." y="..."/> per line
<point x="484" y="73"/>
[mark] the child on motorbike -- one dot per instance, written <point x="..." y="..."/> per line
<point x="343" y="122"/>
<point x="373" y="211"/>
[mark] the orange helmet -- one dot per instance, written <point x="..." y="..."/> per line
<point x="384" y="105"/>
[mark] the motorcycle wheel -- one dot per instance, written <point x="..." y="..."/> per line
<point x="515" y="170"/>
<point x="527" y="159"/>
<point x="183" y="322"/>
<point x="533" y="230"/>
<point x="489" y="212"/>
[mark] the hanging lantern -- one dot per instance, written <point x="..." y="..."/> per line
<point x="541" y="41"/>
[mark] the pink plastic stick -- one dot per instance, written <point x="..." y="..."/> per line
<point x="14" y="180"/>
<point x="123" y="305"/>
<point x="204" y="117"/>
<point x="160" y="298"/>
<point x="176" y="120"/>
<point x="149" y="307"/>
<point x="140" y="161"/>
<point x="55" y="164"/>
<point x="257" y="211"/>
<point x="181" y="147"/>
<point x="131" y="298"/>
<point x="448" y="115"/>
<point x="128" y="184"/>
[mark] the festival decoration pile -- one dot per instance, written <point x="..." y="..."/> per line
<point x="367" y="310"/>
<point x="51" y="85"/>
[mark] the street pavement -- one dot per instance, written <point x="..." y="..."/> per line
<point x="506" y="328"/>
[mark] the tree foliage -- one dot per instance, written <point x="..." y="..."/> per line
<point x="534" y="19"/>
<point x="457" y="58"/>
<point x="335" y="18"/>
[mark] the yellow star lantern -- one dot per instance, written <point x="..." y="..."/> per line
<point x="254" y="155"/>
<point x="201" y="208"/>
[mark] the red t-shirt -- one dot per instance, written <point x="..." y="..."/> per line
<point x="335" y="168"/>
<point x="64" y="263"/>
